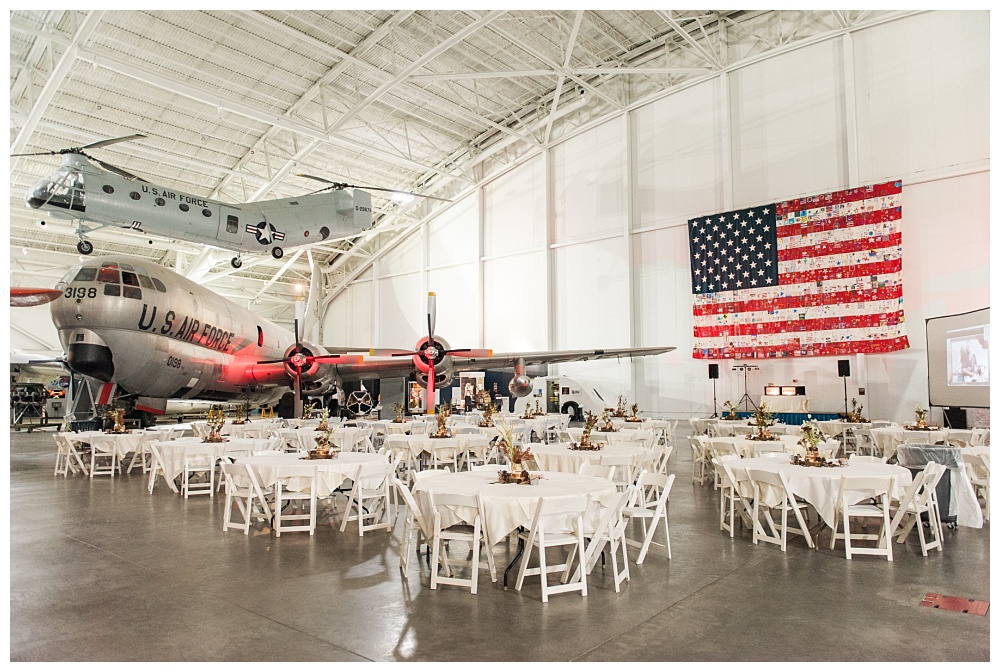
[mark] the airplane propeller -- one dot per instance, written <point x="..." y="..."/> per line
<point x="94" y="145"/>
<point x="298" y="361"/>
<point x="344" y="185"/>
<point x="431" y="353"/>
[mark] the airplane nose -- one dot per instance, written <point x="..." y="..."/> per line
<point x="89" y="359"/>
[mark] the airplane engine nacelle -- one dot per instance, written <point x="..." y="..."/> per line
<point x="317" y="378"/>
<point x="428" y="352"/>
<point x="520" y="386"/>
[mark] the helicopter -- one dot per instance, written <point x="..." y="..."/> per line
<point x="96" y="194"/>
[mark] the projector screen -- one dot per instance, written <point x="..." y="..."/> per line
<point x="958" y="359"/>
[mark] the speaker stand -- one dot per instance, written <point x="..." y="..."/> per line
<point x="715" y="401"/>
<point x="745" y="399"/>
<point x="845" y="398"/>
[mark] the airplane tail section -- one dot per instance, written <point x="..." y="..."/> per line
<point x="362" y="209"/>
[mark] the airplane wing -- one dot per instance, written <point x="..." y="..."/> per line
<point x="399" y="367"/>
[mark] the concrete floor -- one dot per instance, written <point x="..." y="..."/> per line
<point x="102" y="571"/>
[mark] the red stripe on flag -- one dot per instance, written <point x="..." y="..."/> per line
<point x="840" y="272"/>
<point x="811" y="349"/>
<point x="838" y="197"/>
<point x="802" y="301"/>
<point x="836" y="223"/>
<point x="793" y="326"/>
<point x="840" y="247"/>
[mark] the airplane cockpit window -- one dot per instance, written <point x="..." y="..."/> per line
<point x="112" y="290"/>
<point x="159" y="285"/>
<point x="130" y="282"/>
<point x="109" y="273"/>
<point x="145" y="281"/>
<point x="62" y="189"/>
<point x="260" y="337"/>
<point x="86" y="275"/>
<point x="130" y="279"/>
<point x="232" y="224"/>
<point x="126" y="267"/>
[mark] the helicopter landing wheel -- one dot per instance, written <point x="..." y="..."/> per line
<point x="236" y="262"/>
<point x="277" y="252"/>
<point x="84" y="247"/>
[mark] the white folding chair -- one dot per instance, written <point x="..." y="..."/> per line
<point x="103" y="456"/>
<point x="369" y="498"/>
<point x="599" y="470"/>
<point x="545" y="531"/>
<point x="730" y="495"/>
<point x="649" y="503"/>
<point x="776" y="534"/>
<point x="879" y="488"/>
<point x="198" y="463"/>
<point x="141" y="456"/>
<point x="470" y="533"/>
<point x="610" y="533"/>
<point x="243" y="490"/>
<point x="415" y="526"/>
<point x="624" y="469"/>
<point x="295" y="489"/>
<point x="68" y="458"/>
<point x="918" y="500"/>
<point x="700" y="459"/>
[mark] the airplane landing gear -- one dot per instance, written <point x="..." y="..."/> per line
<point x="84" y="247"/>
<point x="236" y="262"/>
<point x="277" y="252"/>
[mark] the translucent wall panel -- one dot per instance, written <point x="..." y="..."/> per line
<point x="514" y="316"/>
<point x="402" y="311"/>
<point x="454" y="235"/>
<point x="678" y="155"/>
<point x="348" y="320"/>
<point x="514" y="210"/>
<point x="457" y="290"/>
<point x="407" y="256"/>
<point x="588" y="183"/>
<point x="923" y="97"/>
<point x="788" y="126"/>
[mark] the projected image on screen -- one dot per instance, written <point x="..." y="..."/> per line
<point x="969" y="356"/>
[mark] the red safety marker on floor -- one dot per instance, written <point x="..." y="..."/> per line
<point x="950" y="603"/>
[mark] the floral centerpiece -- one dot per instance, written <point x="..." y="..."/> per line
<point x="921" y="415"/>
<point x="307" y="410"/>
<point x="854" y="415"/>
<point x="763" y="419"/>
<point x="606" y="424"/>
<point x="399" y="408"/>
<point x="324" y="421"/>
<point x="619" y="411"/>
<point x="324" y="449"/>
<point x="117" y="416"/>
<point x="590" y="420"/>
<point x="529" y="412"/>
<point x="516" y="454"/>
<point x="810" y="437"/>
<point x="215" y="422"/>
<point x="442" y="431"/>
<point x="487" y="420"/>
<point x="731" y="414"/>
<point x="241" y="414"/>
<point x="538" y="408"/>
<point x="634" y="417"/>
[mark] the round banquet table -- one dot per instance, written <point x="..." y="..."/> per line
<point x="122" y="443"/>
<point x="172" y="453"/>
<point x="887" y="438"/>
<point x="330" y="474"/>
<point x="819" y="486"/>
<point x="620" y="436"/>
<point x="509" y="506"/>
<point x="560" y="457"/>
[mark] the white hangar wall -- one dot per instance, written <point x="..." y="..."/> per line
<point x="585" y="244"/>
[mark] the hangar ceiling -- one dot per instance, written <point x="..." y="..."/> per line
<point x="235" y="103"/>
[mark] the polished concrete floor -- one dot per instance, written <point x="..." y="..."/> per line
<point x="102" y="571"/>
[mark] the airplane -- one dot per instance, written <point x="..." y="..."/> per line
<point x="157" y="335"/>
<point x="105" y="195"/>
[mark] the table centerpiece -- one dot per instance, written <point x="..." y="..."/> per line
<point x="854" y="415"/>
<point x="324" y="421"/>
<point x="442" y="431"/>
<point x="762" y="420"/>
<point x="619" y="410"/>
<point x="487" y="420"/>
<point x="590" y="420"/>
<point x="810" y="439"/>
<point x="731" y="409"/>
<point x="324" y="449"/>
<point x="215" y="422"/>
<point x="399" y="408"/>
<point x="606" y="424"/>
<point x="516" y="454"/>
<point x="117" y="416"/>
<point x="634" y="417"/>
<point x="921" y="425"/>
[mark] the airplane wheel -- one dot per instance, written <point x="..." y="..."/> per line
<point x="84" y="247"/>
<point x="277" y="252"/>
<point x="236" y="262"/>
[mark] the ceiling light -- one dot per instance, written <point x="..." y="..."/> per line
<point x="400" y="197"/>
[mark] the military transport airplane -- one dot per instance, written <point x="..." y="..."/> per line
<point x="158" y="336"/>
<point x="95" y="196"/>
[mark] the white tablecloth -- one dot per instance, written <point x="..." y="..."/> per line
<point x="833" y="428"/>
<point x="122" y="443"/>
<point x="819" y="485"/>
<point x="621" y="436"/>
<point x="887" y="438"/>
<point x="172" y="453"/>
<point x="559" y="456"/>
<point x="508" y="506"/>
<point x="789" y="404"/>
<point x="412" y="447"/>
<point x="330" y="474"/>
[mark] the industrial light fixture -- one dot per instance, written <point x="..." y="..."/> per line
<point x="400" y="197"/>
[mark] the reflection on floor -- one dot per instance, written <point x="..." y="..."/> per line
<point x="101" y="570"/>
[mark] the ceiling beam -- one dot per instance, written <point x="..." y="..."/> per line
<point x="55" y="81"/>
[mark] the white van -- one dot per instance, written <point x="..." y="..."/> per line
<point x="561" y="394"/>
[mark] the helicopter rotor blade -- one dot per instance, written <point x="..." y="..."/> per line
<point x="111" y="141"/>
<point x="344" y="185"/>
<point x="115" y="169"/>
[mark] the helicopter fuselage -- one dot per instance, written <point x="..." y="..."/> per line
<point x="82" y="191"/>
